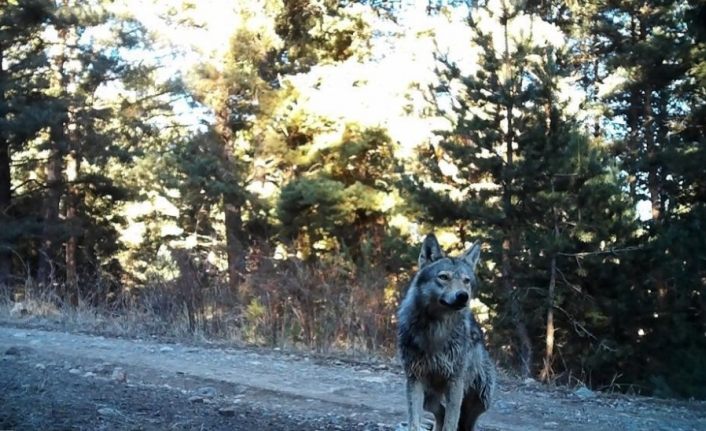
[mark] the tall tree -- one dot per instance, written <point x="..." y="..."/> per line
<point x="237" y="90"/>
<point x="342" y="197"/>
<point x="647" y="50"/>
<point x="87" y="43"/>
<point x="22" y="103"/>
<point x="516" y="168"/>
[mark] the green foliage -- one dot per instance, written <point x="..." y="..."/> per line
<point x="346" y="196"/>
<point x="529" y="182"/>
<point x="558" y="123"/>
<point x="320" y="32"/>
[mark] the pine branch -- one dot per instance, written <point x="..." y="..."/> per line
<point x="609" y="251"/>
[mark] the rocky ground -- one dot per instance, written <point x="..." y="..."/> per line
<point x="54" y="380"/>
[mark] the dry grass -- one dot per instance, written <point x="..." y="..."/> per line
<point x="321" y="307"/>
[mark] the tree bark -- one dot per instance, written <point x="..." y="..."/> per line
<point x="54" y="173"/>
<point x="547" y="372"/>
<point x="234" y="247"/>
<point x="524" y="345"/>
<point x="654" y="186"/>
<point x="71" y="219"/>
<point x="50" y="211"/>
<point x="232" y="205"/>
<point x="5" y="194"/>
<point x="5" y="203"/>
<point x="633" y="125"/>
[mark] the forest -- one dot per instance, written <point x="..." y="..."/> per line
<point x="265" y="171"/>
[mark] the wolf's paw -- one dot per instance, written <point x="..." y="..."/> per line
<point x="427" y="425"/>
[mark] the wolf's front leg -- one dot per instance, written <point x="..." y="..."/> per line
<point x="454" y="397"/>
<point x="415" y="401"/>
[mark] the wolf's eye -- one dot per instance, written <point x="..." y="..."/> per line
<point x="444" y="276"/>
<point x="466" y="280"/>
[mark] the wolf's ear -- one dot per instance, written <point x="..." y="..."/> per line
<point x="430" y="251"/>
<point x="472" y="255"/>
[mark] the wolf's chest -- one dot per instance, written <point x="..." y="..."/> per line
<point x="438" y="362"/>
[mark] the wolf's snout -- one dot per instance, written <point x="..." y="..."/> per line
<point x="457" y="301"/>
<point x="461" y="298"/>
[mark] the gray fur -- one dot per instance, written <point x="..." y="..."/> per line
<point x="449" y="371"/>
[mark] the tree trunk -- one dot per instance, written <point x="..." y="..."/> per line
<point x="71" y="219"/>
<point x="547" y="371"/>
<point x="5" y="195"/>
<point x="596" y="79"/>
<point x="50" y="211"/>
<point x="633" y="126"/>
<point x="662" y="130"/>
<point x="231" y="204"/>
<point x="54" y="171"/>
<point x="5" y="202"/>
<point x="654" y="186"/>
<point x="234" y="247"/>
<point x="524" y="345"/>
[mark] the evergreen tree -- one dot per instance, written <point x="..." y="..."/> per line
<point x="646" y="51"/>
<point x="521" y="172"/>
<point x="22" y="107"/>
<point x="342" y="197"/>
<point x="237" y="91"/>
<point x="87" y="133"/>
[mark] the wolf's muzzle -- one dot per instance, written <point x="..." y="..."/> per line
<point x="460" y="301"/>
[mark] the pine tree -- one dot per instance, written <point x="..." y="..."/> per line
<point x="237" y="91"/>
<point x="328" y="205"/>
<point x="22" y="106"/>
<point x="647" y="54"/>
<point x="342" y="197"/>
<point x="85" y="135"/>
<point x="521" y="172"/>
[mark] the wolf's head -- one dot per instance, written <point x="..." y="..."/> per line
<point x="446" y="284"/>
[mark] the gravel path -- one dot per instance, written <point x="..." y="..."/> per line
<point x="59" y="380"/>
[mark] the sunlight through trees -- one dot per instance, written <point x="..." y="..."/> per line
<point x="265" y="170"/>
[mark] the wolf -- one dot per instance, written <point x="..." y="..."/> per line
<point x="448" y="369"/>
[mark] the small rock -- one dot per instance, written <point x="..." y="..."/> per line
<point x="103" y="368"/>
<point x="227" y="411"/>
<point x="13" y="351"/>
<point x="166" y="349"/>
<point x="108" y="411"/>
<point x="40" y="366"/>
<point x="74" y="371"/>
<point x="196" y="399"/>
<point x="89" y="374"/>
<point x="119" y="375"/>
<point x="551" y="424"/>
<point x="529" y="381"/>
<point x="584" y="393"/>
<point x="206" y="392"/>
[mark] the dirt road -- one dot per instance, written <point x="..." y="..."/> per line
<point x="57" y="380"/>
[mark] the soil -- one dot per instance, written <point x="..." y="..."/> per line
<point x="55" y="380"/>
